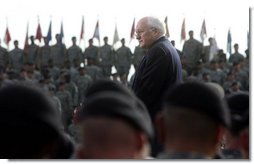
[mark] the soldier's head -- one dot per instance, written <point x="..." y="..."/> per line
<point x="32" y="38"/>
<point x="113" y="119"/>
<point x="58" y="38"/>
<point x="90" y="41"/>
<point x="123" y="41"/>
<point x="236" y="47"/>
<point x="16" y="43"/>
<point x="105" y="39"/>
<point x="193" y="113"/>
<point x="28" y="133"/>
<point x="74" y="40"/>
<point x="191" y="34"/>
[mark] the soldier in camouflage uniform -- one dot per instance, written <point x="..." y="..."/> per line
<point x="93" y="70"/>
<point x="4" y="56"/>
<point x="83" y="82"/>
<point x="58" y="52"/>
<point x="31" y="53"/>
<point x="192" y="51"/>
<point x="106" y="58"/>
<point x="44" y="53"/>
<point x="137" y="56"/>
<point x="74" y="52"/>
<point x="72" y="88"/>
<point x="16" y="58"/>
<point x="66" y="104"/>
<point x="53" y="70"/>
<point x="91" y="51"/>
<point x="123" y="61"/>
<point x="236" y="56"/>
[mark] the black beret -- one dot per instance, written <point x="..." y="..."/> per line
<point x="28" y="122"/>
<point x="108" y="85"/>
<point x="238" y="104"/>
<point x="199" y="97"/>
<point x="119" y="106"/>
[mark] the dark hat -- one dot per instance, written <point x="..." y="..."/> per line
<point x="28" y="122"/>
<point x="108" y="85"/>
<point x="117" y="105"/>
<point x="199" y="97"/>
<point x="238" y="104"/>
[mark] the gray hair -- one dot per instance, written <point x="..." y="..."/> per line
<point x="156" y="23"/>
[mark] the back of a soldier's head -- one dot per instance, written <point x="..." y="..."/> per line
<point x="193" y="114"/>
<point x="30" y="127"/>
<point x="113" y="121"/>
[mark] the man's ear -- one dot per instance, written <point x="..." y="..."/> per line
<point x="160" y="127"/>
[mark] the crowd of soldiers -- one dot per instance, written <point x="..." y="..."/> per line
<point x="65" y="74"/>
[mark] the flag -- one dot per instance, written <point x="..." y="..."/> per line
<point x="248" y="39"/>
<point x="229" y="42"/>
<point x="38" y="32"/>
<point x="82" y="29"/>
<point x="26" y="40"/>
<point x="183" y="32"/>
<point x="213" y="49"/>
<point x="116" y="36"/>
<point x="7" y="36"/>
<point x="166" y="26"/>
<point x="61" y="30"/>
<point x="203" y="33"/>
<point x="97" y="32"/>
<point x="132" y="36"/>
<point x="49" y="35"/>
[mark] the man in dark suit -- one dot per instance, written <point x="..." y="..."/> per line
<point x="160" y="67"/>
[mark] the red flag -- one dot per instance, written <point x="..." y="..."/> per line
<point x="203" y="33"/>
<point x="82" y="29"/>
<point x="26" y="40"/>
<point x="38" y="33"/>
<point x="97" y="32"/>
<point x="133" y="30"/>
<point x="7" y="36"/>
<point x="166" y="26"/>
<point x="183" y="32"/>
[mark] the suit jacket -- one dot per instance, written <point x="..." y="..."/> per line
<point x="159" y="69"/>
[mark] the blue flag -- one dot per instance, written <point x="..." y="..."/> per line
<point x="229" y="43"/>
<point x="49" y="35"/>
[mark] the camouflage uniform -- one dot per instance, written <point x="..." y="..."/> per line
<point x="4" y="56"/>
<point x="137" y="56"/>
<point x="123" y="60"/>
<point x="16" y="59"/>
<point x="83" y="82"/>
<point x="58" y="54"/>
<point x="92" y="52"/>
<point x="192" y="51"/>
<point x="75" y="52"/>
<point x="106" y="59"/>
<point x="235" y="57"/>
<point x="67" y="107"/>
<point x="32" y="54"/>
<point x="44" y="55"/>
<point x="95" y="72"/>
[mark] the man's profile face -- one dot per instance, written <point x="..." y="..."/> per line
<point x="144" y="34"/>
